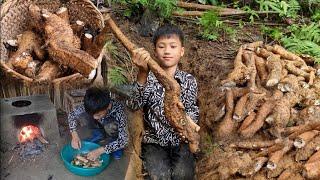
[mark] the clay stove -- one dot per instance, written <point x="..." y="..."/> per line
<point x="27" y="117"/>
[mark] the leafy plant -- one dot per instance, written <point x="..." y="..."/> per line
<point x="253" y="14"/>
<point x="212" y="26"/>
<point x="316" y="16"/>
<point x="304" y="39"/>
<point x="309" y="32"/>
<point x="116" y="76"/>
<point x="300" y="39"/>
<point x="163" y="8"/>
<point x="287" y="8"/>
<point x="302" y="47"/>
<point x="274" y="33"/>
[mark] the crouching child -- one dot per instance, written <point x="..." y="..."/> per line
<point x="105" y="120"/>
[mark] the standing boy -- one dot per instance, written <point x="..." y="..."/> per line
<point x="164" y="155"/>
<point x="106" y="120"/>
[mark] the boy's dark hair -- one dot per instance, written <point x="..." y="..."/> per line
<point x="96" y="100"/>
<point x="168" y="30"/>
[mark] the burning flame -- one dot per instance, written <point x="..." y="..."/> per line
<point x="28" y="133"/>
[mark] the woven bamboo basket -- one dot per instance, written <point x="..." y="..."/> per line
<point x="15" y="18"/>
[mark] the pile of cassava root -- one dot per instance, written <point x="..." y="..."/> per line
<point x="269" y="125"/>
<point x="52" y="46"/>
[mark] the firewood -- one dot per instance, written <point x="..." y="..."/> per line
<point x="28" y="43"/>
<point x="48" y="71"/>
<point x="221" y="11"/>
<point x="275" y="69"/>
<point x="305" y="138"/>
<point x="42" y="139"/>
<point x="173" y="108"/>
<point x="187" y="13"/>
<point x="63" y="46"/>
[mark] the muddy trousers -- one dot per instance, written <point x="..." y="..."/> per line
<point x="168" y="163"/>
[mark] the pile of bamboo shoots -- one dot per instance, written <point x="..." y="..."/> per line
<point x="53" y="46"/>
<point x="270" y="118"/>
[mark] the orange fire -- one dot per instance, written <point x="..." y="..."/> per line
<point x="28" y="133"/>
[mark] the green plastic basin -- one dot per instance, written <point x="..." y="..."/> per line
<point x="68" y="153"/>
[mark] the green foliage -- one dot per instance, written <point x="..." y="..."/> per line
<point x="316" y="15"/>
<point x="241" y="24"/>
<point x="212" y="26"/>
<point x="162" y="7"/>
<point x="304" y="39"/>
<point x="302" y="47"/>
<point x="253" y="14"/>
<point x="274" y="33"/>
<point x="301" y="39"/>
<point x="288" y="8"/>
<point x="116" y="76"/>
<point x="213" y="2"/>
<point x="309" y="32"/>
